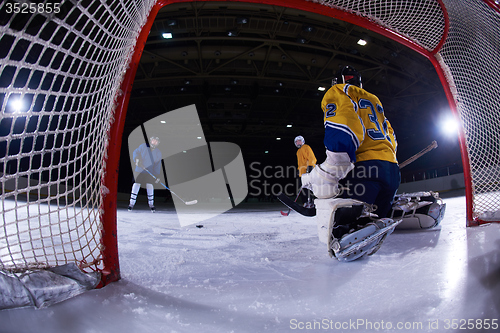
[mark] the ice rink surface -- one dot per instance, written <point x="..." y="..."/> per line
<point x="253" y="270"/>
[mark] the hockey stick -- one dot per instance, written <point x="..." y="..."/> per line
<point x="289" y="209"/>
<point x="312" y="211"/>
<point x="419" y="154"/>
<point x="295" y="206"/>
<point x="192" y="202"/>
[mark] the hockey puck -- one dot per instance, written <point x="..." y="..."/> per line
<point x="199" y="226"/>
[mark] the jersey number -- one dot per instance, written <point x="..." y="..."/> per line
<point x="330" y="110"/>
<point x="381" y="132"/>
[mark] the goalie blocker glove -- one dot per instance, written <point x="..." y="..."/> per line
<point x="323" y="180"/>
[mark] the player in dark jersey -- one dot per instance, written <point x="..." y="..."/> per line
<point x="146" y="158"/>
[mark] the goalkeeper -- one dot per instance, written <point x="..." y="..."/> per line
<point x="358" y="137"/>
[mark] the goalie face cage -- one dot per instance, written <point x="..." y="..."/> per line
<point x="64" y="86"/>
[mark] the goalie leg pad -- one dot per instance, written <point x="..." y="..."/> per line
<point x="436" y="211"/>
<point x="364" y="241"/>
<point x="422" y="210"/>
<point x="326" y="214"/>
<point x="348" y="228"/>
<point x="417" y="221"/>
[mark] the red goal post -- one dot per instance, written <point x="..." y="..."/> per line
<point x="74" y="71"/>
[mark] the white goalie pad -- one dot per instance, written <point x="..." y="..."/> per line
<point x="42" y="288"/>
<point x="364" y="241"/>
<point x="325" y="214"/>
<point x="349" y="229"/>
<point x="418" y="210"/>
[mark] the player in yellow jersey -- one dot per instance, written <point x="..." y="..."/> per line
<point x="358" y="137"/>
<point x="306" y="160"/>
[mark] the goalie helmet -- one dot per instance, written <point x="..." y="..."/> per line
<point x="348" y="75"/>
<point x="299" y="141"/>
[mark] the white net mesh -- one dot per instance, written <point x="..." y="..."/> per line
<point x="470" y="57"/>
<point x="60" y="74"/>
<point x="471" y="53"/>
<point x="421" y="21"/>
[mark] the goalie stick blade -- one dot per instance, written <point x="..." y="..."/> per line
<point x="295" y="206"/>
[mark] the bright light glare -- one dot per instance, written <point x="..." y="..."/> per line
<point x="166" y="35"/>
<point x="17" y="105"/>
<point x="449" y="126"/>
<point x="362" y="42"/>
<point x="321" y="88"/>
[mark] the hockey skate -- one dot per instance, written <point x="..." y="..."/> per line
<point x="153" y="209"/>
<point x="362" y="242"/>
<point x="349" y="228"/>
<point x="130" y="207"/>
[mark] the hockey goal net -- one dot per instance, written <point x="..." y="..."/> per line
<point x="62" y="67"/>
<point x="67" y="70"/>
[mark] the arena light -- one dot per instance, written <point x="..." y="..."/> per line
<point x="449" y="126"/>
<point x="167" y="35"/>
<point x="241" y="20"/>
<point x="17" y="105"/>
<point x="362" y="42"/>
<point x="321" y="88"/>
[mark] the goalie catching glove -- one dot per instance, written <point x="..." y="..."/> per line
<point x="323" y="180"/>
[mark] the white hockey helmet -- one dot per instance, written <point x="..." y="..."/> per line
<point x="297" y="139"/>
<point x="154" y="141"/>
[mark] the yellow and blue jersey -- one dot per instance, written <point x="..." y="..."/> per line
<point x="305" y="158"/>
<point x="355" y="123"/>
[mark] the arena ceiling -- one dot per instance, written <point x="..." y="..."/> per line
<point x="252" y="70"/>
